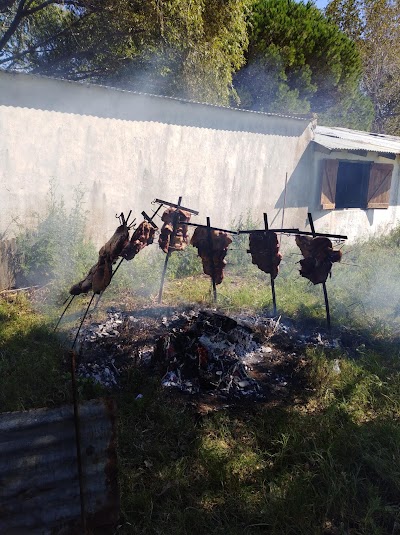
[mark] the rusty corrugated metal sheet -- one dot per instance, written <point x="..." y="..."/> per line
<point x="39" y="488"/>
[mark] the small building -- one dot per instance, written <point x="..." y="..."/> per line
<point x="124" y="149"/>
<point x="357" y="181"/>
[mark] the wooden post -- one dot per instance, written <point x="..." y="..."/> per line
<point x="210" y="247"/>
<point x="328" y="314"/>
<point x="175" y="225"/>
<point x="78" y="443"/>
<point x="272" y="278"/>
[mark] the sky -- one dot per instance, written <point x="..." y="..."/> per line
<point x="321" y="3"/>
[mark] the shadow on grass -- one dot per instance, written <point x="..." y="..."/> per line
<point x="34" y="366"/>
<point x="260" y="469"/>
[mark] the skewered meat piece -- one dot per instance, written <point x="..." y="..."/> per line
<point x="215" y="258"/>
<point x="181" y="238"/>
<point x="143" y="235"/>
<point x="116" y="243"/>
<point x="99" y="275"/>
<point x="264" y="250"/>
<point x="84" y="285"/>
<point x="318" y="255"/>
<point x="102" y="275"/>
<point x="98" y="278"/>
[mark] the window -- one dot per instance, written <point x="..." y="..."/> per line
<point x="348" y="184"/>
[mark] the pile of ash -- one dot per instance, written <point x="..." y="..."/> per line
<point x="201" y="351"/>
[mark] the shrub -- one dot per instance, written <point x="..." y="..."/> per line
<point x="56" y="248"/>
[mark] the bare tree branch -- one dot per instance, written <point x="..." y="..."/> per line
<point x="19" y="15"/>
<point x="40" y="44"/>
<point x="48" y="3"/>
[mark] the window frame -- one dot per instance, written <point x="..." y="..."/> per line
<point x="378" y="187"/>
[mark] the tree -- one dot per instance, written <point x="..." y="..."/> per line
<point x="298" y="61"/>
<point x="174" y="47"/>
<point x="375" y="27"/>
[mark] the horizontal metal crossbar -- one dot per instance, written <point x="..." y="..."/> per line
<point x="160" y="201"/>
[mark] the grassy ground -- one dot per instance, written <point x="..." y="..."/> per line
<point x="327" y="464"/>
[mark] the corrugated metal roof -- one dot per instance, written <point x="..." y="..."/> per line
<point x="299" y="117"/>
<point x="39" y="488"/>
<point x="346" y="139"/>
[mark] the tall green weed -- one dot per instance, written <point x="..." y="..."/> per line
<point x="56" y="248"/>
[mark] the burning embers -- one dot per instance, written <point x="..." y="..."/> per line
<point x="264" y="250"/>
<point x="210" y="356"/>
<point x="212" y="246"/>
<point x="319" y="256"/>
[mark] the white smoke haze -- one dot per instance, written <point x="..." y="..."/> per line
<point x="363" y="291"/>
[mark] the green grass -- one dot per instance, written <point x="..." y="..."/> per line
<point x="326" y="464"/>
<point x="330" y="464"/>
<point x="34" y="365"/>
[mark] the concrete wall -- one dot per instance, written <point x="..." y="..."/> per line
<point x="127" y="149"/>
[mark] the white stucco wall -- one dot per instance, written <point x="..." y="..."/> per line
<point x="126" y="149"/>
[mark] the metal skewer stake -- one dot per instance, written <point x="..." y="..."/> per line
<point x="272" y="278"/>
<point x="328" y="314"/>
<point x="65" y="310"/>
<point x="83" y="319"/>
<point x="175" y="225"/>
<point x="210" y="246"/>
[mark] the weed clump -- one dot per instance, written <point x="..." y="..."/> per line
<point x="56" y="248"/>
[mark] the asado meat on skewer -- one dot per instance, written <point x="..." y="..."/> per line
<point x="319" y="256"/>
<point x="181" y="238"/>
<point x="99" y="275"/>
<point x="212" y="258"/>
<point x="264" y="250"/>
<point x="142" y="236"/>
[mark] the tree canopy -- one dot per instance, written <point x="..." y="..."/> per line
<point x="299" y="61"/>
<point x="270" y="55"/>
<point x="374" y="25"/>
<point x="188" y="49"/>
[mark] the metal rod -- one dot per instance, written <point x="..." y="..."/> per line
<point x="272" y="278"/>
<point x="212" y="228"/>
<point x="116" y="269"/>
<point x="150" y="219"/>
<point x="195" y="212"/>
<point x="282" y="230"/>
<point x="175" y="224"/>
<point x="83" y="319"/>
<point x="78" y="441"/>
<point x="65" y="310"/>
<point x="338" y="236"/>
<point x="210" y="246"/>
<point x="283" y="210"/>
<point x="328" y="314"/>
<point x="112" y="275"/>
<point x="65" y="300"/>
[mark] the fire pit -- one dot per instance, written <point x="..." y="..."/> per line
<point x="200" y="353"/>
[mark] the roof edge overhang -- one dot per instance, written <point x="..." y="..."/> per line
<point x="308" y="118"/>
